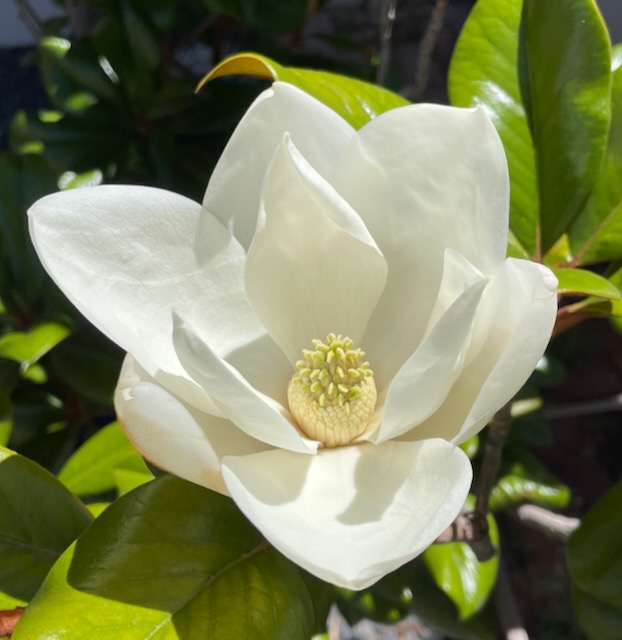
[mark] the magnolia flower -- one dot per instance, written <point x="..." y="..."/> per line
<point x="316" y="338"/>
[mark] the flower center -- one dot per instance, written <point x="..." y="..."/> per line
<point x="333" y="395"/>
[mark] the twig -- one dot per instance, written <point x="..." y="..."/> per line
<point x="426" y="48"/>
<point x="506" y="607"/>
<point x="30" y="18"/>
<point x="387" y="20"/>
<point x="552" y="524"/>
<point x="602" y="405"/>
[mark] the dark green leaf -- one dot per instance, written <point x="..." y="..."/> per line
<point x="596" y="234"/>
<point x="484" y="72"/>
<point x="173" y="560"/>
<point x="354" y="100"/>
<point x="39" y="519"/>
<point x="594" y="551"/>
<point x="565" y="82"/>
<point x="585" y="283"/>
<point x="90" y="470"/>
<point x="599" y="620"/>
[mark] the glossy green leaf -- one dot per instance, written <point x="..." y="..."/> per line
<point x="585" y="283"/>
<point x="128" y="479"/>
<point x="39" y="519"/>
<point x="170" y="560"/>
<point x="565" y="78"/>
<point x="354" y="100"/>
<point x="91" y="469"/>
<point x="526" y="480"/>
<point x="594" y="551"/>
<point x="596" y="235"/>
<point x="28" y="347"/>
<point x="599" y="620"/>
<point x="457" y="571"/>
<point x="5" y="432"/>
<point x="484" y="71"/>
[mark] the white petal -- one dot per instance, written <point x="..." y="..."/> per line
<point x="426" y="378"/>
<point x="234" y="189"/>
<point x="352" y="515"/>
<point x="254" y="413"/>
<point x="424" y="178"/>
<point x="126" y="255"/>
<point x="312" y="267"/>
<point x="173" y="435"/>
<point x="523" y="304"/>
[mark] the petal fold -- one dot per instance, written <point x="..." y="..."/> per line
<point x="312" y="268"/>
<point x="254" y="413"/>
<point x="352" y="515"/>
<point x="173" y="435"/>
<point x="234" y="189"/>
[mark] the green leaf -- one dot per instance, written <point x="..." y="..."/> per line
<point x="599" y="620"/>
<point x="526" y="480"/>
<point x="170" y="560"/>
<point x="39" y="519"/>
<point x="596" y="234"/>
<point x="457" y="571"/>
<point x="471" y="446"/>
<point x="594" y="551"/>
<point x="5" y="432"/>
<point x="28" y="347"/>
<point x="128" y="479"/>
<point x="91" y="469"/>
<point x="585" y="283"/>
<point x="565" y="61"/>
<point x="354" y="100"/>
<point x="484" y="71"/>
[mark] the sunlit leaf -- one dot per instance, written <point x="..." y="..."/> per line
<point x="354" y="100"/>
<point x="585" y="283"/>
<point x="170" y="559"/>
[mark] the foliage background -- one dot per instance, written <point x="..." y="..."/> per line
<point x="135" y="119"/>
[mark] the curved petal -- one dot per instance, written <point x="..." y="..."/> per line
<point x="234" y="189"/>
<point x="352" y="515"/>
<point x="312" y="268"/>
<point x="523" y="304"/>
<point x="174" y="436"/>
<point x="257" y="415"/>
<point x="424" y="178"/>
<point x="126" y="255"/>
<point x="426" y="378"/>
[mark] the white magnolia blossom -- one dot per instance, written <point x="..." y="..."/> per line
<point x="244" y="318"/>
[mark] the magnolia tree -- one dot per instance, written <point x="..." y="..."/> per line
<point x="314" y="347"/>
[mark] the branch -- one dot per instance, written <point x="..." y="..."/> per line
<point x="386" y="32"/>
<point x="426" y="48"/>
<point x="552" y="524"/>
<point x="506" y="607"/>
<point x="30" y="18"/>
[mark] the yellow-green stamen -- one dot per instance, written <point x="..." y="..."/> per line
<point x="333" y="394"/>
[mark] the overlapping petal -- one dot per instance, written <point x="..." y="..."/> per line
<point x="173" y="435"/>
<point x="354" y="514"/>
<point x="254" y="413"/>
<point x="234" y="189"/>
<point x="126" y="255"/>
<point x="424" y="178"/>
<point x="312" y="267"/>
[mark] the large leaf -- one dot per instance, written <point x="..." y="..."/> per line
<point x="484" y="71"/>
<point x="39" y="519"/>
<point x="28" y="347"/>
<point x="91" y="469"/>
<point x="354" y="100"/>
<point x="596" y="235"/>
<point x="565" y="82"/>
<point x="582" y="282"/>
<point x="170" y="560"/>
<point x="594" y="551"/>
<point x="599" y="620"/>
<point x="457" y="571"/>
